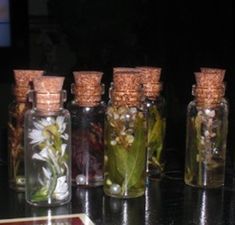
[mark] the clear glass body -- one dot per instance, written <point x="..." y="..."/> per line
<point x="16" y="144"/>
<point x="47" y="157"/>
<point x="156" y="124"/>
<point x="206" y="145"/>
<point x="125" y="152"/>
<point x="87" y="144"/>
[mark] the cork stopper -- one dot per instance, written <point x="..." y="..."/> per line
<point x="126" y="80"/>
<point x="124" y="69"/>
<point x="48" y="91"/>
<point x="212" y="70"/>
<point x="210" y="88"/>
<point x="23" y="82"/>
<point x="150" y="74"/>
<point x="87" y="89"/>
<point x="87" y="78"/>
<point x="150" y="79"/>
<point x="206" y="79"/>
<point x="126" y="89"/>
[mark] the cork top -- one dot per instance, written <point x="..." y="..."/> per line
<point x="24" y="77"/>
<point x="124" y="69"/>
<point x="48" y="93"/>
<point x="206" y="79"/>
<point x="150" y="74"/>
<point x="126" y="89"/>
<point x="212" y="70"/>
<point x="126" y="81"/>
<point x="87" y="78"/>
<point x="48" y="84"/>
<point x="210" y="88"/>
<point x="87" y="88"/>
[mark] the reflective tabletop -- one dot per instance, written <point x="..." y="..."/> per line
<point x="166" y="202"/>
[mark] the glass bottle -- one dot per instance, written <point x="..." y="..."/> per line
<point x="154" y="105"/>
<point x="125" y="138"/>
<point x="17" y="110"/>
<point x="87" y="113"/>
<point x="207" y="124"/>
<point x="47" y="145"/>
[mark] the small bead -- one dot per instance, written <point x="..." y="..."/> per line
<point x="80" y="179"/>
<point x="115" y="189"/>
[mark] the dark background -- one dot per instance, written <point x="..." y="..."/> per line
<point x="179" y="36"/>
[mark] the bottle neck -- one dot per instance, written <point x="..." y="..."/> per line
<point x="208" y="97"/>
<point x="47" y="102"/>
<point x="126" y="98"/>
<point x="87" y="96"/>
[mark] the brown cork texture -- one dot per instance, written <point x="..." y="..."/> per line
<point x="124" y="69"/>
<point x="87" y="88"/>
<point x="150" y="79"/>
<point x="48" y="93"/>
<point x="209" y="89"/>
<point x="212" y="70"/>
<point x="149" y="74"/>
<point x="124" y="81"/>
<point x="207" y="79"/>
<point x="87" y="78"/>
<point x="126" y="88"/>
<point x="48" y="84"/>
<point x="23" y="83"/>
<point x="122" y="98"/>
<point x="24" y="77"/>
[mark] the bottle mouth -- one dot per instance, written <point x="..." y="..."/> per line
<point x="208" y="96"/>
<point x="87" y="96"/>
<point x="152" y="89"/>
<point x="126" y="98"/>
<point x="47" y="101"/>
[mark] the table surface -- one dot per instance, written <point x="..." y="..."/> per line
<point x="166" y="202"/>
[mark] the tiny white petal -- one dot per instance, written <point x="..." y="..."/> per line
<point x="45" y="153"/>
<point x="38" y="125"/>
<point x="63" y="148"/>
<point x="46" y="172"/>
<point x="37" y="156"/>
<point x="65" y="136"/>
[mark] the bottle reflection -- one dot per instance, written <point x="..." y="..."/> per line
<point x="152" y="200"/>
<point x="203" y="207"/>
<point x="16" y="202"/>
<point x="126" y="211"/>
<point x="89" y="201"/>
<point x="48" y="214"/>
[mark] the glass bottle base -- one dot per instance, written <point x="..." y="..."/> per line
<point x="48" y="204"/>
<point x="124" y="196"/>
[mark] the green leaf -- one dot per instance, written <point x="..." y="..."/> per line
<point x="156" y="134"/>
<point x="136" y="156"/>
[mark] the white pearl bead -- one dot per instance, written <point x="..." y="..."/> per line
<point x="115" y="189"/>
<point x="80" y="179"/>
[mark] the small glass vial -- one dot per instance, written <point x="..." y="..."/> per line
<point x="125" y="138"/>
<point x="87" y="114"/>
<point x="17" y="110"/>
<point x="207" y="124"/>
<point x="47" y="145"/>
<point x="154" y="105"/>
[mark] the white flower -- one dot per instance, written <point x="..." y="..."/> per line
<point x="40" y="133"/>
<point x="62" y="189"/>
